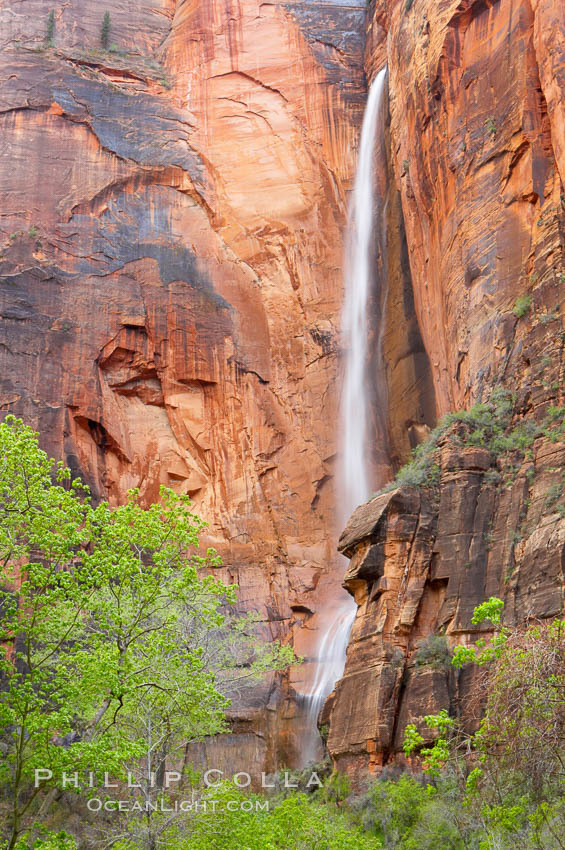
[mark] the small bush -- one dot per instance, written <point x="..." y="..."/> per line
<point x="412" y="475"/>
<point x="515" y="536"/>
<point x="553" y="494"/>
<point x="490" y="124"/>
<point x="519" y="438"/>
<point x="434" y="652"/>
<point x="522" y="305"/>
<point x="492" y="476"/>
<point x="410" y="815"/>
<point x="554" y="425"/>
<point x="50" y="32"/>
<point x="105" y="31"/>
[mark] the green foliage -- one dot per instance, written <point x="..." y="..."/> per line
<point x="490" y="125"/>
<point x="515" y="796"/>
<point x="485" y="424"/>
<point x="106" y="30"/>
<point x="46" y="840"/>
<point x="492" y="476"/>
<point x="488" y="424"/>
<point x="522" y="305"/>
<point x="414" y="814"/>
<point x="515" y="535"/>
<point x="553" y="494"/>
<point x="483" y="652"/>
<point x="519" y="438"/>
<point x="119" y="651"/>
<point x="434" y="758"/>
<point x="485" y="419"/>
<point x="412" y="475"/>
<point x="421" y="470"/>
<point x="336" y="789"/>
<point x="411" y="815"/>
<point x="251" y="822"/>
<point x="491" y="610"/>
<point x="524" y="721"/>
<point x="117" y="647"/>
<point x="50" y="31"/>
<point x="413" y="741"/>
<point x="554" y="425"/>
<point x="434" y="652"/>
<point x="286" y="782"/>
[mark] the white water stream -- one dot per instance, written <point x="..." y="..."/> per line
<point x="355" y="406"/>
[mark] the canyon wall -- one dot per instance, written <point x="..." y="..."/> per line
<point x="171" y="231"/>
<point x="476" y="100"/>
<point x="171" y="246"/>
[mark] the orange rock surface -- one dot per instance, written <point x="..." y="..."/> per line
<point x="171" y="234"/>
<point x="170" y="284"/>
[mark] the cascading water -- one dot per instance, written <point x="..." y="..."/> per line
<point x="358" y="276"/>
<point x="354" y="476"/>
<point x="330" y="665"/>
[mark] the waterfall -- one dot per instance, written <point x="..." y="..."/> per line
<point x="355" y="411"/>
<point x="355" y="406"/>
<point x="330" y="664"/>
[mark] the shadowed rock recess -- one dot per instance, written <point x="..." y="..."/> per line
<point x="171" y="246"/>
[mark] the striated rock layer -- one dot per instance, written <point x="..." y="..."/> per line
<point x="171" y="243"/>
<point x="477" y="146"/>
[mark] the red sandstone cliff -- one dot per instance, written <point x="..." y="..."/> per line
<point x="171" y="235"/>
<point x="171" y="226"/>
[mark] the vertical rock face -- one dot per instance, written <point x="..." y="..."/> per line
<point x="476" y="125"/>
<point x="170" y="285"/>
<point x="478" y="160"/>
<point x="170" y="278"/>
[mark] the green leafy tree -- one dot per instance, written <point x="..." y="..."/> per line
<point x="104" y="616"/>
<point x="514" y="765"/>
